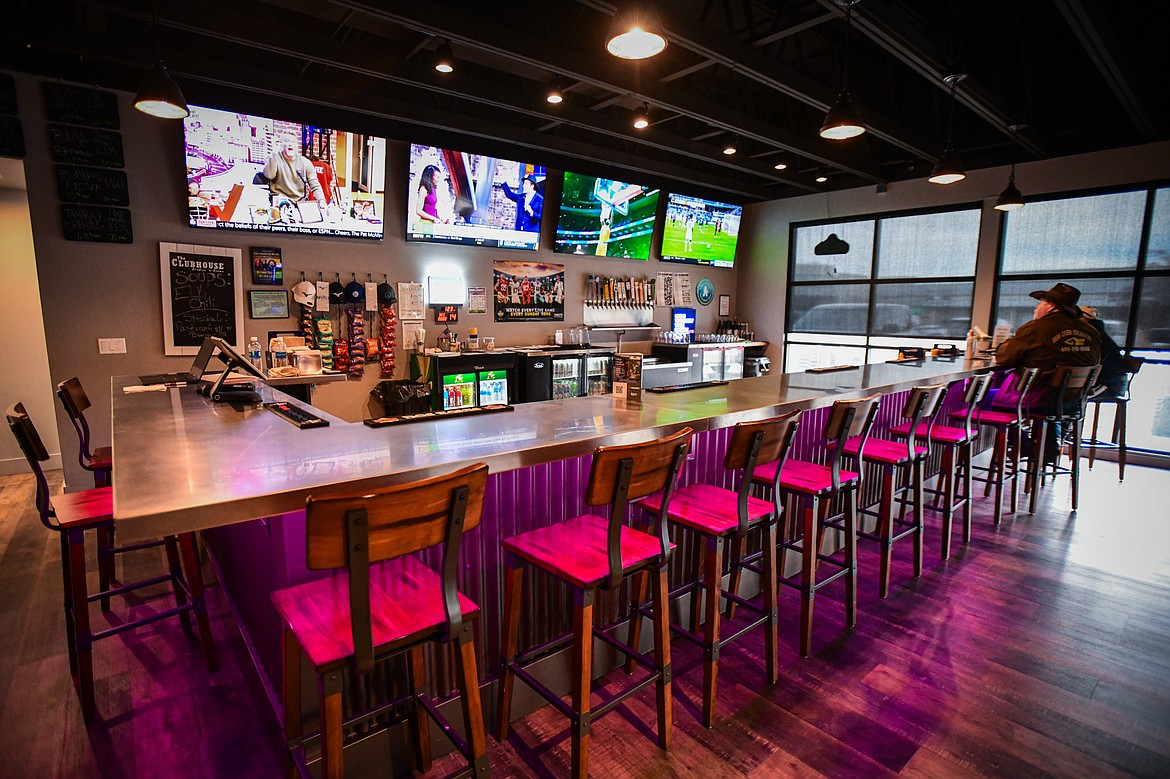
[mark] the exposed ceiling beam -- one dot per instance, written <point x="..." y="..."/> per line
<point x="270" y="36"/>
<point x="1092" y="35"/>
<point x="437" y="18"/>
<point x="887" y="29"/>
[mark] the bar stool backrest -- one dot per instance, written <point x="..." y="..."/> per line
<point x="973" y="395"/>
<point x="1072" y="383"/>
<point x="759" y="443"/>
<point x="849" y="419"/>
<point x="922" y="405"/>
<point x="1132" y="366"/>
<point x="620" y="474"/>
<point x="34" y="451"/>
<point x="1022" y="380"/>
<point x="75" y="401"/>
<point x="353" y="530"/>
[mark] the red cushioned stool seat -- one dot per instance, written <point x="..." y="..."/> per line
<point x="591" y="553"/>
<point x="717" y="517"/>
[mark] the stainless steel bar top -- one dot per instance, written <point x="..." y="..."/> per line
<point x="184" y="463"/>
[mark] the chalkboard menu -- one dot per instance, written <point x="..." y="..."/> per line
<point x="202" y="295"/>
<point x="92" y="185"/>
<point x="86" y="146"/>
<point x="96" y="223"/>
<point x="86" y="192"/>
<point x="79" y="105"/>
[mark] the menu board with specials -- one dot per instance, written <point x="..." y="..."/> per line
<point x="202" y="295"/>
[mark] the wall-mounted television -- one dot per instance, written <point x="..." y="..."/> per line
<point x="473" y="199"/>
<point x="249" y="172"/>
<point x="605" y="218"/>
<point x="701" y="232"/>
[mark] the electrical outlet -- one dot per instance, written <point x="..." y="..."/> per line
<point x="111" y="346"/>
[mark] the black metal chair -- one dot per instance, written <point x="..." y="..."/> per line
<point x="1119" y="400"/>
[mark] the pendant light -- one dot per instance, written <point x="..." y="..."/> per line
<point x="1011" y="199"/>
<point x="949" y="167"/>
<point x="843" y="119"/>
<point x="732" y="146"/>
<point x="158" y="94"/>
<point x="444" y="58"/>
<point x="556" y="93"/>
<point x="635" y="33"/>
<point x="642" y="117"/>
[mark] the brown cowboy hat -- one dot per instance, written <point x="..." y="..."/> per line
<point x="1063" y="296"/>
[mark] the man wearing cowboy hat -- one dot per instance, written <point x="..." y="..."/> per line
<point x="1057" y="335"/>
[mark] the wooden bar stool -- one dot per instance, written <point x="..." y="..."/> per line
<point x="907" y="460"/>
<point x="101" y="462"/>
<point x="1071" y="384"/>
<point x="386" y="604"/>
<point x="720" y="516"/>
<point x="588" y="553"/>
<point x="819" y="485"/>
<point x="71" y="515"/>
<point x="1009" y="427"/>
<point x="1119" y="400"/>
<point x="957" y="442"/>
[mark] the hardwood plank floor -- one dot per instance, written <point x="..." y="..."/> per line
<point x="1040" y="649"/>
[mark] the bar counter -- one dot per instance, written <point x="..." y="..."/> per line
<point x="243" y="474"/>
<point x="185" y="463"/>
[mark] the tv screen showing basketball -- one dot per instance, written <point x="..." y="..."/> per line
<point x="473" y="199"/>
<point x="605" y="218"/>
<point x="700" y="232"/>
<point x="249" y="172"/>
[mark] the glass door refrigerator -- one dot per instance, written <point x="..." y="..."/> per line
<point x="567" y="376"/>
<point x="457" y="390"/>
<point x="598" y="374"/>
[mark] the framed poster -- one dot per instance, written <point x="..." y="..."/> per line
<point x="267" y="267"/>
<point x="268" y="303"/>
<point x="725" y="305"/>
<point x="528" y="291"/>
<point x="202" y="295"/>
<point x="477" y="300"/>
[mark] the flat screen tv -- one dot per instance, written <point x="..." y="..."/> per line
<point x="249" y="172"/>
<point x="700" y="232"/>
<point x="473" y="199"/>
<point x="605" y="218"/>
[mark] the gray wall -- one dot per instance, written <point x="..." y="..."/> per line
<point x="93" y="290"/>
<point x="763" y="277"/>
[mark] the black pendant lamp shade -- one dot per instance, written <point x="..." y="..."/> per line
<point x="949" y="167"/>
<point x="1011" y="199"/>
<point x="160" y="96"/>
<point x="844" y="119"/>
<point x="444" y="58"/>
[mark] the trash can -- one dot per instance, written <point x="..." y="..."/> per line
<point x="756" y="366"/>
<point x="398" y="397"/>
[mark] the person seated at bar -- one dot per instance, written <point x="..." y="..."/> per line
<point x="1114" y="376"/>
<point x="1057" y="335"/>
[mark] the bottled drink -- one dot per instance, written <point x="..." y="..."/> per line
<point x="280" y="354"/>
<point x="254" y="354"/>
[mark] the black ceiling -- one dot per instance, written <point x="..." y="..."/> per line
<point x="1079" y="73"/>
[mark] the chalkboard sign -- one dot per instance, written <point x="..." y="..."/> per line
<point x="96" y="223"/>
<point x="92" y="185"/>
<point x="11" y="137"/>
<point x="202" y="295"/>
<point x="80" y="105"/>
<point x="86" y="146"/>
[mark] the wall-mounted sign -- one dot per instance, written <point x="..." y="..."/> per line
<point x="267" y="267"/>
<point x="528" y="291"/>
<point x="446" y="314"/>
<point x="202" y="296"/>
<point x="96" y="223"/>
<point x="704" y="292"/>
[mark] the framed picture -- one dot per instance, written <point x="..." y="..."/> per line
<point x="725" y="305"/>
<point x="268" y="303"/>
<point x="202" y="295"/>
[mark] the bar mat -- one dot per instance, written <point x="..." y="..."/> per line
<point x="428" y="416"/>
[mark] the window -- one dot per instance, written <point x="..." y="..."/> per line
<point x="859" y="289"/>
<point x="1115" y="248"/>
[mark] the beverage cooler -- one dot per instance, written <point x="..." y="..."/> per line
<point x="476" y="379"/>
<point x="558" y="374"/>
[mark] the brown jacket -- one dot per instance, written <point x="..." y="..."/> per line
<point x="1045" y="343"/>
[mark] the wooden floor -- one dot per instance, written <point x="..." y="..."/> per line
<point x="1041" y="649"/>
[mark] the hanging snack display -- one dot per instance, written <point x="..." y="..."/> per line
<point x="357" y="341"/>
<point x="325" y="341"/>
<point x="387" y="341"/>
<point x="341" y="355"/>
